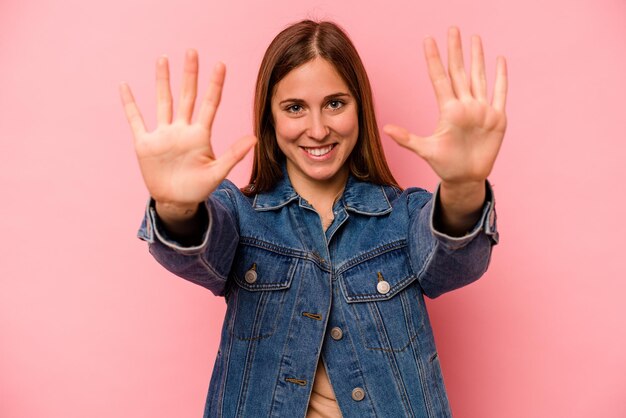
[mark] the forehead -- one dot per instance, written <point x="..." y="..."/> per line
<point x="312" y="80"/>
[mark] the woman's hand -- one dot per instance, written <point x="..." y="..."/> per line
<point x="176" y="160"/>
<point x="466" y="141"/>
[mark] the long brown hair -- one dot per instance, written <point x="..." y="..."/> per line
<point x="294" y="46"/>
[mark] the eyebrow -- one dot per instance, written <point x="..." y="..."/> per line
<point x="327" y="98"/>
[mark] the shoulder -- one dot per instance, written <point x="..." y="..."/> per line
<point x="413" y="197"/>
<point x="229" y="195"/>
<point x="417" y="197"/>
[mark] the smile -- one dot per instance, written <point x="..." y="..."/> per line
<point x="318" y="152"/>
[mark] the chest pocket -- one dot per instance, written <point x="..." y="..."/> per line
<point x="262" y="279"/>
<point x="383" y="300"/>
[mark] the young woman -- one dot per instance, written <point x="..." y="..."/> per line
<point x="322" y="259"/>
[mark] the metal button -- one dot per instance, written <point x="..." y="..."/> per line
<point x="382" y="287"/>
<point x="358" y="394"/>
<point x="250" y="276"/>
<point x="336" y="333"/>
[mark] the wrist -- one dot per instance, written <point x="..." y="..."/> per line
<point x="176" y="212"/>
<point x="460" y="206"/>
<point x="463" y="190"/>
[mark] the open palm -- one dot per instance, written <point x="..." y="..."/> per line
<point x="176" y="159"/>
<point x="470" y="129"/>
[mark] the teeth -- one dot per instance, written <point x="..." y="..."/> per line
<point x="318" y="152"/>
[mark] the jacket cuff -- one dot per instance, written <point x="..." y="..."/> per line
<point x="152" y="230"/>
<point x="486" y="224"/>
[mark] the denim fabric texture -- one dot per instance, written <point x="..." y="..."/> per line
<point x="288" y="284"/>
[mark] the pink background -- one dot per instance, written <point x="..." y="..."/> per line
<point x="91" y="326"/>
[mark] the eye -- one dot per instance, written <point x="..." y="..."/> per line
<point x="335" y="104"/>
<point x="294" y="108"/>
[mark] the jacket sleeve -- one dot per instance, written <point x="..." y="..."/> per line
<point x="207" y="263"/>
<point x="443" y="262"/>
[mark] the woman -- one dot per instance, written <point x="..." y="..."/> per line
<point x="322" y="259"/>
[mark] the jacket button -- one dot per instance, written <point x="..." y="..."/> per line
<point x="358" y="394"/>
<point x="336" y="333"/>
<point x="382" y="287"/>
<point x="250" y="276"/>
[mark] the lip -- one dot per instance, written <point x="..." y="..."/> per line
<point x="322" y="157"/>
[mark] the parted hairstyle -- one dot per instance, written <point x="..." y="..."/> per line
<point x="295" y="46"/>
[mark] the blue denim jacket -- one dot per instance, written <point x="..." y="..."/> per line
<point x="353" y="294"/>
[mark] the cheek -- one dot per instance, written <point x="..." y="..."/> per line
<point x="288" y="129"/>
<point x="347" y="124"/>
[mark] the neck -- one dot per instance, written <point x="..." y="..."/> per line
<point x="320" y="194"/>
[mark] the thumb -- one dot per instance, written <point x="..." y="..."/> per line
<point x="405" y="139"/>
<point x="233" y="155"/>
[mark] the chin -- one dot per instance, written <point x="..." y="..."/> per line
<point x="325" y="175"/>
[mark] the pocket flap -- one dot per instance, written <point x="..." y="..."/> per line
<point x="257" y="269"/>
<point x="360" y="282"/>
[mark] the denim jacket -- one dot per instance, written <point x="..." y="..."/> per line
<point x="353" y="294"/>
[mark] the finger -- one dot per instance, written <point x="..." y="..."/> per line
<point x="438" y="77"/>
<point x="501" y="85"/>
<point x="132" y="111"/>
<point x="233" y="155"/>
<point x="404" y="138"/>
<point x="164" y="94"/>
<point x="212" y="98"/>
<point x="479" y="79"/>
<point x="455" y="63"/>
<point x="189" y="87"/>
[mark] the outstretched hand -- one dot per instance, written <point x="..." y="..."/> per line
<point x="176" y="159"/>
<point x="466" y="141"/>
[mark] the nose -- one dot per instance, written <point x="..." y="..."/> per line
<point x="318" y="128"/>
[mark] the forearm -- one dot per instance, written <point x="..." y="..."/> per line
<point x="459" y="207"/>
<point x="206" y="258"/>
<point x="445" y="261"/>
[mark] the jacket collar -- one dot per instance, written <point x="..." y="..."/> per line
<point x="359" y="196"/>
<point x="365" y="198"/>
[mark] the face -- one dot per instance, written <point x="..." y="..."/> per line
<point x="316" y="123"/>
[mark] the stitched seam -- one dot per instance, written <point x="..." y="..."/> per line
<point x="250" y="353"/>
<point x="255" y="242"/>
<point x="382" y="332"/>
<point x="354" y="350"/>
<point x="360" y="212"/>
<point x="394" y="350"/>
<point x="222" y="388"/>
<point x="391" y="358"/>
<point x="427" y="261"/>
<point x="285" y="344"/>
<point x="373" y="212"/>
<point x="261" y="287"/>
<point x="263" y="298"/>
<point x="280" y="205"/>
<point x="210" y="268"/>
<point x="293" y="264"/>
<point x="371" y="254"/>
<point x="435" y="376"/>
<point x="385" y="196"/>
<point x="407" y="310"/>
<point x="401" y="285"/>
<point x="423" y="381"/>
